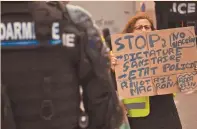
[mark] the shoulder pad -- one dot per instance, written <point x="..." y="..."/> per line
<point x="79" y="16"/>
<point x="83" y="18"/>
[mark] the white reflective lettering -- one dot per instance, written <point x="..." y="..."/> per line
<point x="3" y="31"/>
<point x="55" y="31"/>
<point x="191" y="8"/>
<point x="9" y="32"/>
<point x="27" y="30"/>
<point x="17" y="30"/>
<point x="24" y="31"/>
<point x="68" y="40"/>
<point x="180" y="8"/>
<point x="174" y="7"/>
<point x="184" y="8"/>
<point x="33" y="31"/>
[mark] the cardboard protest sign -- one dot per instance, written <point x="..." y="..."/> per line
<point x="155" y="63"/>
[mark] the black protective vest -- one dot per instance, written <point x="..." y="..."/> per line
<point x="39" y="73"/>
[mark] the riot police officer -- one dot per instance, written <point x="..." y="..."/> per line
<point x="48" y="50"/>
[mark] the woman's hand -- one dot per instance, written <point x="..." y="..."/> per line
<point x="113" y="61"/>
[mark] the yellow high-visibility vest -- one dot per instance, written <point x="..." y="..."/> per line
<point x="138" y="107"/>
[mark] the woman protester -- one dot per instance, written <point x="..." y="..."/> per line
<point x="150" y="112"/>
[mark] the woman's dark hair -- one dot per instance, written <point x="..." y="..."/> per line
<point x="129" y="28"/>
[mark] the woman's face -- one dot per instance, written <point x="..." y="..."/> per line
<point x="142" y="25"/>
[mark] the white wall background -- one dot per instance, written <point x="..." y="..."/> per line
<point x="111" y="14"/>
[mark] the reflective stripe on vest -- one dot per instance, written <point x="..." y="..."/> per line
<point x="136" y="105"/>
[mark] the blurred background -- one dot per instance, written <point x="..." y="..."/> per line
<point x="115" y="14"/>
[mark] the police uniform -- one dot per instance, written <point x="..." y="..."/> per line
<point x="48" y="51"/>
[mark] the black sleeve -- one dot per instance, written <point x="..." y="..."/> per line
<point x="100" y="99"/>
<point x="96" y="83"/>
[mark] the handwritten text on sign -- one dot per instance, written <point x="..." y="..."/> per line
<point x="157" y="62"/>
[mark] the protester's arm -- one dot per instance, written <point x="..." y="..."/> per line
<point x="100" y="100"/>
